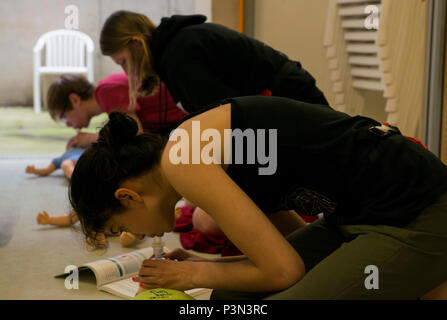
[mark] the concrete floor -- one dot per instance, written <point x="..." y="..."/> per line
<point x="30" y="254"/>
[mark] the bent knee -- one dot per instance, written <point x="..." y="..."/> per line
<point x="67" y="163"/>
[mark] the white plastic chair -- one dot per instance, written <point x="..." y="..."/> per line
<point x="66" y="51"/>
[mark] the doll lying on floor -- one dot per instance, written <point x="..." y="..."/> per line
<point x="127" y="239"/>
<point x="66" y="162"/>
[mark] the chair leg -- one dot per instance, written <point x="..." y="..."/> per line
<point x="36" y="93"/>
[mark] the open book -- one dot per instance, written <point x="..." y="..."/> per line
<point x="114" y="275"/>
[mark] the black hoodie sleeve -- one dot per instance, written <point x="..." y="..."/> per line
<point x="198" y="87"/>
<point x="181" y="62"/>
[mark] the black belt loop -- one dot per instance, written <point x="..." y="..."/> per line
<point x="375" y="133"/>
<point x="383" y="130"/>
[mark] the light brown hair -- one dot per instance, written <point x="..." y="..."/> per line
<point x="118" y="33"/>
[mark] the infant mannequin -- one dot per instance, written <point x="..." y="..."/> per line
<point x="127" y="239"/>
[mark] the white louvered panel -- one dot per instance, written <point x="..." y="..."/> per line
<point x="353" y="11"/>
<point x="369" y="85"/>
<point x="341" y="2"/>
<point x="352" y="53"/>
<point x="362" y="48"/>
<point x="367" y="73"/>
<point x="364" y="61"/>
<point x="361" y="45"/>
<point x="353" y="24"/>
<point x="361" y="36"/>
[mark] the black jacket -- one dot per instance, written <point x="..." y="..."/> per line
<point x="203" y="63"/>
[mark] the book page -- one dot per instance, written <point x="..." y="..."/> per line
<point x="119" y="267"/>
<point x="199" y="293"/>
<point x="125" y="288"/>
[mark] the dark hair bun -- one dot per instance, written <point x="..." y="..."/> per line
<point x="119" y="130"/>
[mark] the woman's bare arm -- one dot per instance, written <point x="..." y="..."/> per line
<point x="271" y="264"/>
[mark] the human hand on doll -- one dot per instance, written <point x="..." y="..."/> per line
<point x="82" y="140"/>
<point x="182" y="255"/>
<point x="43" y="218"/>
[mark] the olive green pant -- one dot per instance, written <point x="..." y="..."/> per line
<point x="407" y="262"/>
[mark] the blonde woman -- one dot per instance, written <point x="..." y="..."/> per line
<point x="200" y="63"/>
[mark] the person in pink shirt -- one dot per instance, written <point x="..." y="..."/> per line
<point x="74" y="100"/>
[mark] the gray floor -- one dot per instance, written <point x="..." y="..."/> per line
<point x="30" y="254"/>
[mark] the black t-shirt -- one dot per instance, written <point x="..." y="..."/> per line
<point x="328" y="161"/>
<point x="202" y="63"/>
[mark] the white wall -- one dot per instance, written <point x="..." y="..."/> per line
<point x="296" y="27"/>
<point x="23" y="21"/>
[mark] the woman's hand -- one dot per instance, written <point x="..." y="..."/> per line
<point x="169" y="274"/>
<point x="82" y="140"/>
<point x="182" y="255"/>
